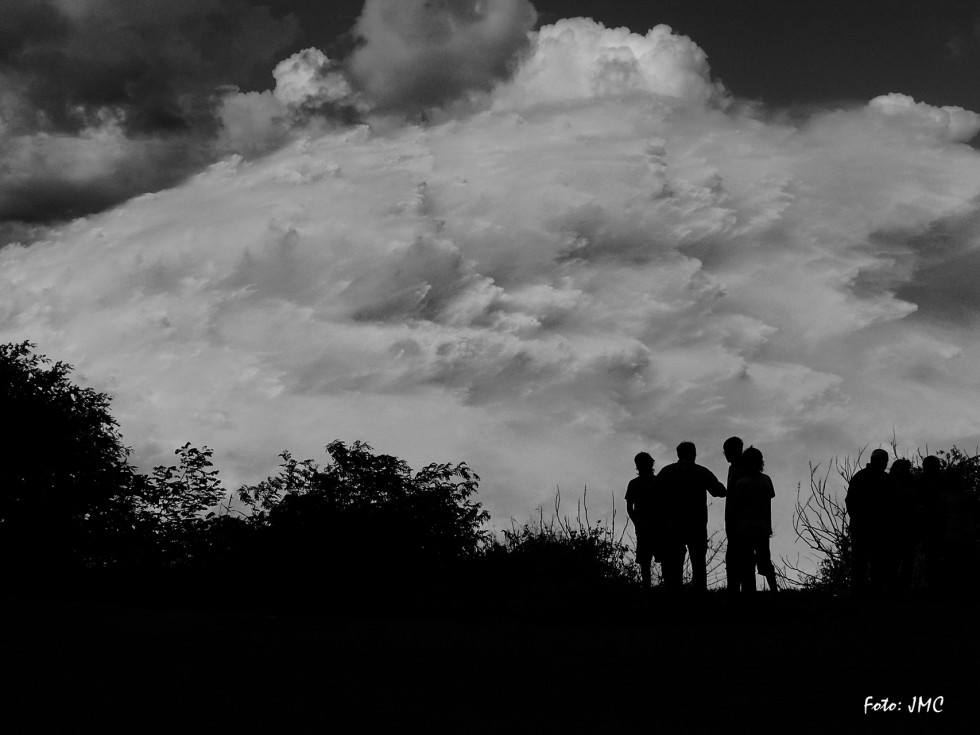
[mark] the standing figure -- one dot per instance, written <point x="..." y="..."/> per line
<point x="752" y="518"/>
<point x="738" y="555"/>
<point x="682" y="486"/>
<point x="958" y="515"/>
<point x="932" y="483"/>
<point x="641" y="507"/>
<point x="900" y="532"/>
<point x="865" y="498"/>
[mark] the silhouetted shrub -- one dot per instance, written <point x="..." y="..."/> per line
<point x="559" y="558"/>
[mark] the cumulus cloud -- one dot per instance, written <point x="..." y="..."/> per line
<point x="576" y="59"/>
<point x="312" y="93"/>
<point x="581" y="268"/>
<point x="421" y="53"/>
<point x="309" y="88"/>
<point x="947" y="122"/>
<point x="310" y="80"/>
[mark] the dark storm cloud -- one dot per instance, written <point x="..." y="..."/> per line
<point x="49" y="177"/>
<point x="157" y="62"/>
<point x="104" y="99"/>
<point x="26" y="22"/>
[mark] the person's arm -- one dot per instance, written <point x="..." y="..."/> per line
<point x="713" y="485"/>
<point x="850" y="498"/>
<point x="630" y="504"/>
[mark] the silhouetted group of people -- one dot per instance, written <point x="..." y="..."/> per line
<point x="895" y="517"/>
<point x="896" y="514"/>
<point x="670" y="514"/>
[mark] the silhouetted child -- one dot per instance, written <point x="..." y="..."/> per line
<point x="752" y="520"/>
<point x="682" y="485"/>
<point x="641" y="507"/>
<point x="866" y="495"/>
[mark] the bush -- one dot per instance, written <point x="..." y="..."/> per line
<point x="561" y="558"/>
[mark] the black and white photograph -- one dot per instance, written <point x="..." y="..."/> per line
<point x="484" y="366"/>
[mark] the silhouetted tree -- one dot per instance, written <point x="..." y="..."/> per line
<point x="171" y="519"/>
<point x="366" y="518"/>
<point x="820" y="522"/>
<point x="65" y="482"/>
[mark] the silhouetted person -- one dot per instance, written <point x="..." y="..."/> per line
<point x="737" y="550"/>
<point x="641" y="505"/>
<point x="751" y="520"/>
<point x="682" y="485"/>
<point x="866" y="496"/>
<point x="931" y="485"/>
<point x="957" y="515"/>
<point x="900" y="533"/>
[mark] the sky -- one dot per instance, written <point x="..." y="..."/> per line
<point x="537" y="238"/>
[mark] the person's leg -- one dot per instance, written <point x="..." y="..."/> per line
<point x="859" y="565"/>
<point x="763" y="562"/>
<point x="888" y="555"/>
<point x="739" y="569"/>
<point x="880" y="559"/>
<point x="732" y="569"/>
<point x="698" y="550"/>
<point x="644" y="557"/>
<point x="672" y="567"/>
<point x="748" y="568"/>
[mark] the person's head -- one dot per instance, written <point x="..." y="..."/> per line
<point x="931" y="465"/>
<point x="733" y="449"/>
<point x="686" y="452"/>
<point x="752" y="461"/>
<point x="643" y="462"/>
<point x="879" y="459"/>
<point x="901" y="467"/>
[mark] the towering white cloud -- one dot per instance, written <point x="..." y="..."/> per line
<point x="577" y="59"/>
<point x="586" y="266"/>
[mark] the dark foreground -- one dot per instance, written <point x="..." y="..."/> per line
<point x="795" y="663"/>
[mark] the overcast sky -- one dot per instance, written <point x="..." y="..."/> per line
<point x="497" y="232"/>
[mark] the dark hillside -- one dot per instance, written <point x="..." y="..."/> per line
<point x="799" y="663"/>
